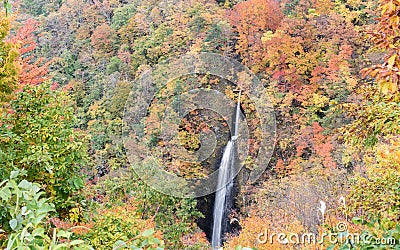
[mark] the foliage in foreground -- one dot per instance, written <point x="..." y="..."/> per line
<point x="38" y="135"/>
<point x="121" y="227"/>
<point x="26" y="212"/>
<point x="122" y="196"/>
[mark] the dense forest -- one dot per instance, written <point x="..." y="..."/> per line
<point x="97" y="94"/>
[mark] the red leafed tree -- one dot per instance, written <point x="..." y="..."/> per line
<point x="33" y="71"/>
<point x="251" y="19"/>
<point x="320" y="145"/>
<point x="101" y="40"/>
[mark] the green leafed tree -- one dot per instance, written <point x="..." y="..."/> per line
<point x="38" y="136"/>
<point x="9" y="67"/>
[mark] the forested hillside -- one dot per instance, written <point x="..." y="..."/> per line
<point x="74" y="76"/>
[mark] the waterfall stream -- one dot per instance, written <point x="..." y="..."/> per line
<point x="225" y="184"/>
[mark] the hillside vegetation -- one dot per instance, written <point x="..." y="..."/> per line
<point x="330" y="68"/>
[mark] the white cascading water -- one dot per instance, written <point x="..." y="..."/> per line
<point x="224" y="187"/>
<point x="225" y="183"/>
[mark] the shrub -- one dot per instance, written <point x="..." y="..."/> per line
<point x="173" y="216"/>
<point x="38" y="136"/>
<point x="23" y="218"/>
<point x="120" y="227"/>
<point x="378" y="192"/>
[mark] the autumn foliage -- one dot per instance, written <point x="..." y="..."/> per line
<point x="337" y="113"/>
<point x="386" y="37"/>
<point x="251" y="19"/>
<point x="34" y="70"/>
<point x="9" y="67"/>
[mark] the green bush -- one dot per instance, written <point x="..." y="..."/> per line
<point x="23" y="218"/>
<point x="122" y="15"/>
<point x="111" y="232"/>
<point x="377" y="194"/>
<point x="173" y="216"/>
<point x="38" y="136"/>
<point x="144" y="240"/>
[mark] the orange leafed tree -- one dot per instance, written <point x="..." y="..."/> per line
<point x="251" y="19"/>
<point x="33" y="71"/>
<point x="386" y="36"/>
<point x="101" y="40"/>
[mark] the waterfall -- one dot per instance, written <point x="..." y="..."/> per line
<point x="225" y="183"/>
<point x="224" y="187"/>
